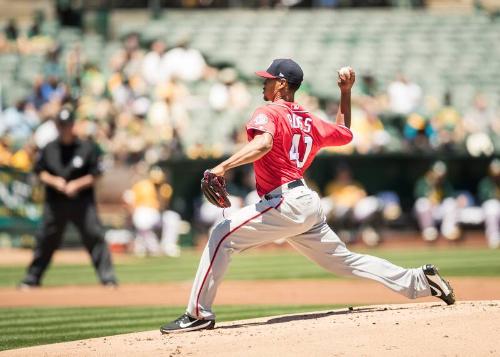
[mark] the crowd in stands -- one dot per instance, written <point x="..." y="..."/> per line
<point x="152" y="102"/>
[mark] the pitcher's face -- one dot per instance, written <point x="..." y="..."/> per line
<point x="271" y="87"/>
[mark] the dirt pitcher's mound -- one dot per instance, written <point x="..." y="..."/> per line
<point x="425" y="329"/>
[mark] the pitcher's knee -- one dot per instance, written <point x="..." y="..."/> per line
<point x="222" y="238"/>
<point x="219" y="235"/>
<point x="219" y="230"/>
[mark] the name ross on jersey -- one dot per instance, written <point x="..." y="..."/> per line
<point x="297" y="122"/>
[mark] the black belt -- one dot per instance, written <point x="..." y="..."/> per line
<point x="289" y="185"/>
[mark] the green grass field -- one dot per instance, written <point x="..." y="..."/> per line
<point x="34" y="326"/>
<point x="263" y="265"/>
<point x="23" y="327"/>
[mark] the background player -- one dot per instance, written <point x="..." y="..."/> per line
<point x="148" y="202"/>
<point x="283" y="141"/>
<point x="489" y="194"/>
<point x="436" y="202"/>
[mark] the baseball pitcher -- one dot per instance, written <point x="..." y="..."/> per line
<point x="283" y="139"/>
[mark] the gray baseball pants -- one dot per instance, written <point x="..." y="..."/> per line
<point x="295" y="215"/>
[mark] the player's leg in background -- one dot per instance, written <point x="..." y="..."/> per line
<point x="145" y="219"/>
<point x="249" y="227"/>
<point x="48" y="239"/>
<point x="324" y="247"/>
<point x="491" y="209"/>
<point x="88" y="224"/>
<point x="424" y="212"/>
<point x="339" y="216"/>
<point x="366" y="209"/>
<point x="171" y="222"/>
<point x="367" y="214"/>
<point x="449" y="224"/>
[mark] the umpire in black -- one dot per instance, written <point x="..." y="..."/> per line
<point x="68" y="167"/>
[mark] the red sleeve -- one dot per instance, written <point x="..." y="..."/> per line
<point x="262" y="120"/>
<point x="331" y="134"/>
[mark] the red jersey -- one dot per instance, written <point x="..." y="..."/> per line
<point x="297" y="137"/>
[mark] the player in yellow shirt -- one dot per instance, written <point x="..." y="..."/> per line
<point x="148" y="200"/>
<point x="22" y="159"/>
<point x="346" y="203"/>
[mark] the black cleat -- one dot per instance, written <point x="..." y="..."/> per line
<point x="187" y="323"/>
<point x="111" y="284"/>
<point x="440" y="288"/>
<point x="28" y="285"/>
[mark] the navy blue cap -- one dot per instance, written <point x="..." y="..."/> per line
<point x="283" y="68"/>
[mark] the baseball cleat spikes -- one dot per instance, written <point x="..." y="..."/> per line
<point x="187" y="323"/>
<point x="440" y="288"/>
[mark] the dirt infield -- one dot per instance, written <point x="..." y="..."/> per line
<point x="469" y="328"/>
<point x="271" y="292"/>
<point x="426" y="329"/>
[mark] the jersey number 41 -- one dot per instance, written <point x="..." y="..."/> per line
<point x="295" y="154"/>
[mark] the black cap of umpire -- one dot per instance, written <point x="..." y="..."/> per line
<point x="65" y="116"/>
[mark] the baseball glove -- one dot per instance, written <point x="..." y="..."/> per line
<point x="214" y="189"/>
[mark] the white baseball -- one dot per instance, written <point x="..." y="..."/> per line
<point x="345" y="72"/>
